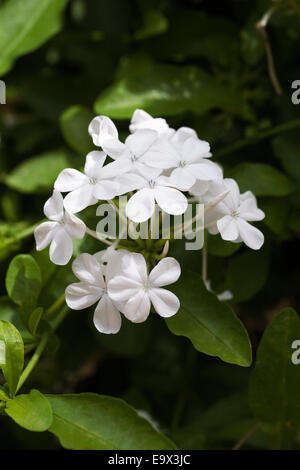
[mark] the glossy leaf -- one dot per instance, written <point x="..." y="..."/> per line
<point x="30" y="176"/>
<point x="275" y="382"/>
<point x="261" y="179"/>
<point x="166" y="89"/>
<point x="25" y="25"/>
<point x="211" y="325"/>
<point x="95" y="422"/>
<point x="32" y="411"/>
<point x="74" y="124"/>
<point x="23" y="284"/>
<point x="14" y="354"/>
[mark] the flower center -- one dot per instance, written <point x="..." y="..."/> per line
<point x="133" y="158"/>
<point x="146" y="285"/>
<point x="151" y="183"/>
<point x="182" y="163"/>
<point x="93" y="180"/>
<point x="235" y="214"/>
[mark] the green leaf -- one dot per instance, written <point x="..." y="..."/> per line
<point x="95" y="422"/>
<point x="14" y="354"/>
<point x="277" y="212"/>
<point x="25" y="25"/>
<point x="218" y="247"/>
<point x="245" y="283"/>
<point x="32" y="411"/>
<point x="275" y="381"/>
<point x="166" y="89"/>
<point x="23" y="284"/>
<point x="286" y="150"/>
<point x="74" y="124"/>
<point x="154" y="23"/>
<point x="37" y="174"/>
<point x="211" y="325"/>
<point x="262" y="179"/>
<point x="34" y="319"/>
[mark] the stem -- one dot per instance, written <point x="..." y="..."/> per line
<point x="204" y="261"/>
<point x="239" y="144"/>
<point x="56" y="305"/>
<point x="23" y="234"/>
<point x="246" y="437"/>
<point x="39" y="350"/>
<point x="94" y="234"/>
<point x="261" y="27"/>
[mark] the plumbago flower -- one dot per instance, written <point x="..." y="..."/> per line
<point x="153" y="187"/>
<point x="233" y="214"/>
<point x="134" y="289"/>
<point x="122" y="285"/>
<point x="96" y="183"/>
<point x="162" y="166"/>
<point x="59" y="231"/>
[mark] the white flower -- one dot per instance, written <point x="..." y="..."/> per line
<point x="153" y="188"/>
<point x="142" y="120"/>
<point x="102" y="129"/>
<point x="135" y="289"/>
<point x="92" y="289"/>
<point x="233" y="214"/>
<point x="223" y="296"/>
<point x="187" y="155"/>
<point x="59" y="232"/>
<point x="95" y="183"/>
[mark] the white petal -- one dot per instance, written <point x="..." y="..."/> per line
<point x="82" y="295"/>
<point x="143" y="120"/>
<point x="228" y="228"/>
<point x="114" y="148"/>
<point x="250" y="235"/>
<point x="137" y="308"/>
<point x="87" y="269"/>
<point x="106" y="189"/>
<point x="233" y="198"/>
<point x="165" y="272"/>
<point x="54" y="207"/>
<point x="199" y="188"/>
<point x="130" y="182"/>
<point x="107" y="318"/>
<point x="206" y="170"/>
<point x="248" y="210"/>
<point x="79" y="199"/>
<point x="69" y="180"/>
<point x="115" y="168"/>
<point x="181" y="135"/>
<point x="94" y="162"/>
<point x="44" y="234"/>
<point x="74" y="226"/>
<point x="61" y="248"/>
<point x="170" y="200"/>
<point x="165" y="302"/>
<point x="134" y="267"/>
<point x="101" y="128"/>
<point x="181" y="178"/>
<point x="194" y="149"/>
<point x="140" y="141"/>
<point x="162" y="154"/>
<point x="121" y="288"/>
<point x="140" y="206"/>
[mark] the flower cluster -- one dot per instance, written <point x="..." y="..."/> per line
<point x="156" y="165"/>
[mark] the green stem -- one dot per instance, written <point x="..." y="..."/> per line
<point x="23" y="234"/>
<point x="239" y="144"/>
<point x="56" y="305"/>
<point x="39" y="350"/>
